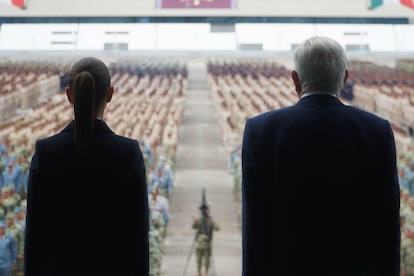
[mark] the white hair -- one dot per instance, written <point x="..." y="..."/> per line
<point x="320" y="63"/>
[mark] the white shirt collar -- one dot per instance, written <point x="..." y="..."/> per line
<point x="316" y="93"/>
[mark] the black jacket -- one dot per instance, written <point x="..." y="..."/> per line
<point x="320" y="192"/>
<point x="87" y="214"/>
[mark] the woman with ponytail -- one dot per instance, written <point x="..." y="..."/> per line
<point x="87" y="211"/>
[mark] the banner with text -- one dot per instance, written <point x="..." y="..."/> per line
<point x="196" y="4"/>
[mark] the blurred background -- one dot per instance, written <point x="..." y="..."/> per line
<point x="187" y="74"/>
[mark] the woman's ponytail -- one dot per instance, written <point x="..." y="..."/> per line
<point x="84" y="108"/>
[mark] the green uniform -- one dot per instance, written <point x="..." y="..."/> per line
<point x="10" y="203"/>
<point x="2" y="213"/>
<point x="204" y="236"/>
<point x="155" y="253"/>
<point x="407" y="242"/>
<point x="407" y="255"/>
<point x="18" y="235"/>
<point x="155" y="240"/>
<point x="157" y="222"/>
<point x="237" y="179"/>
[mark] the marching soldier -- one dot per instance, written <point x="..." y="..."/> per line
<point x="204" y="226"/>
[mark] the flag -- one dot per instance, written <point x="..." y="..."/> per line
<point x="372" y="4"/>
<point x="408" y="3"/>
<point x="18" y="3"/>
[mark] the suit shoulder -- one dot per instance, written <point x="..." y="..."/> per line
<point x="124" y="145"/>
<point x="47" y="141"/>
<point x="126" y="141"/>
<point x="270" y="115"/>
<point x="363" y="114"/>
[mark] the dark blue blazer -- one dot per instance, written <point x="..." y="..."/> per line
<point x="87" y="214"/>
<point x="320" y="192"/>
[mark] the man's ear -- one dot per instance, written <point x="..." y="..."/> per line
<point x="69" y="94"/>
<point x="109" y="94"/>
<point x="298" y="87"/>
<point x="346" y="75"/>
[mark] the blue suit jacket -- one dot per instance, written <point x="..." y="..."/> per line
<point x="320" y="192"/>
<point x="87" y="214"/>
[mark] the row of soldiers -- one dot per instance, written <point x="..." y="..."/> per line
<point x="235" y="168"/>
<point x="12" y="227"/>
<point x="14" y="170"/>
<point x="14" y="167"/>
<point x="407" y="233"/>
<point x="406" y="171"/>
<point x="160" y="175"/>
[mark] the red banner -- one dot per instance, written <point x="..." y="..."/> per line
<point x="196" y="4"/>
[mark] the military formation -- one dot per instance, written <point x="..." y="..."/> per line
<point x="406" y="179"/>
<point x="235" y="168"/>
<point x="160" y="168"/>
<point x="14" y="164"/>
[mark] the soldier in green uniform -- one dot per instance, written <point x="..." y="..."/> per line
<point x="407" y="240"/>
<point x="155" y="240"/>
<point x="155" y="253"/>
<point x="18" y="235"/>
<point x="204" y="226"/>
<point x="7" y="201"/>
<point x="2" y="166"/>
<point x="2" y="211"/>
<point x="237" y="176"/>
<point x="15" y="198"/>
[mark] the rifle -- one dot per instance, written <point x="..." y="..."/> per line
<point x="189" y="257"/>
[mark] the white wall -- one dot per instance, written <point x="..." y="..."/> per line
<point x="197" y="37"/>
<point x="36" y="36"/>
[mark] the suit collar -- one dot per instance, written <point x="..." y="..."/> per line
<point x="100" y="126"/>
<point x="319" y="99"/>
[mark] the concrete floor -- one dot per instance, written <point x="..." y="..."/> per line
<point x="201" y="163"/>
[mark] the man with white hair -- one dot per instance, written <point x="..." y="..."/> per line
<point x="326" y="174"/>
